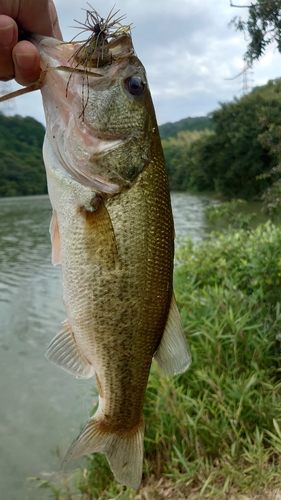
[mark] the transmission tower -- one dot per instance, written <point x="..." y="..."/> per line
<point x="7" y="108"/>
<point x="246" y="79"/>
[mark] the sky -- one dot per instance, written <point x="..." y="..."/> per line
<point x="190" y="53"/>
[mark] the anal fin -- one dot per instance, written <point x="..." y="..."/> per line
<point x="64" y="352"/>
<point x="173" y="354"/>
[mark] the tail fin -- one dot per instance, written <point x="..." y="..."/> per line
<point x="123" y="450"/>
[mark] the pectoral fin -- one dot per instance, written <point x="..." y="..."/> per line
<point x="64" y="352"/>
<point x="101" y="242"/>
<point x="173" y="354"/>
<point x="55" y="239"/>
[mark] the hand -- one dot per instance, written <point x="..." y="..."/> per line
<point x="20" y="60"/>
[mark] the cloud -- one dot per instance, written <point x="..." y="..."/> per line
<point x="187" y="48"/>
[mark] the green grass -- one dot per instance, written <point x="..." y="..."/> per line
<point x="214" y="431"/>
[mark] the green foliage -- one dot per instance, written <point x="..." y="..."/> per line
<point x="186" y="125"/>
<point x="214" y="430"/>
<point x="234" y="160"/>
<point x="22" y="170"/>
<point x="272" y="196"/>
<point x="271" y="140"/>
<point x="226" y="408"/>
<point x="262" y="27"/>
<point x="180" y="155"/>
<point x="239" y="154"/>
<point x="230" y="214"/>
<point x="250" y="261"/>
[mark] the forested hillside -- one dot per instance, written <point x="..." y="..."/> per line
<point x="233" y="160"/>
<point x="230" y="152"/>
<point x="21" y="165"/>
<point x="186" y="125"/>
<point x="22" y="170"/>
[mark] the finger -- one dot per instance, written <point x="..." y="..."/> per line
<point x="8" y="38"/>
<point x="55" y="21"/>
<point x="39" y="17"/>
<point x="26" y="62"/>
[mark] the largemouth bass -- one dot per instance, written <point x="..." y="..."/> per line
<point x="112" y="232"/>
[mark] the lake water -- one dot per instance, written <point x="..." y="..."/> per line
<point x="41" y="406"/>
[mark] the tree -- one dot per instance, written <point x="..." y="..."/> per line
<point x="22" y="169"/>
<point x="234" y="160"/>
<point x="181" y="155"/>
<point x="263" y="27"/>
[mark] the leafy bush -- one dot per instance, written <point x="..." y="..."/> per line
<point x="214" y="431"/>
<point x="247" y="261"/>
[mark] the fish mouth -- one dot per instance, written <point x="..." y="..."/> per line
<point x="76" y="141"/>
<point x="78" y="57"/>
<point x="61" y="62"/>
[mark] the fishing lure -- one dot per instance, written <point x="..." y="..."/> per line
<point x="93" y="51"/>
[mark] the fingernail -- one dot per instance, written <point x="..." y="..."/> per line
<point x="6" y="35"/>
<point x="25" y="61"/>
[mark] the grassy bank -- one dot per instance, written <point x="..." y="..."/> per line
<point x="215" y="431"/>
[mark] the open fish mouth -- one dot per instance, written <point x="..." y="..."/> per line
<point x="74" y="57"/>
<point x="87" y="63"/>
<point x="103" y="44"/>
<point x="109" y="41"/>
<point x="74" y="72"/>
<point x="100" y="55"/>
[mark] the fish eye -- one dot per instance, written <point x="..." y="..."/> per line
<point x="135" y="85"/>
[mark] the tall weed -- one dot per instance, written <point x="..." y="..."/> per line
<point x="215" y="429"/>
